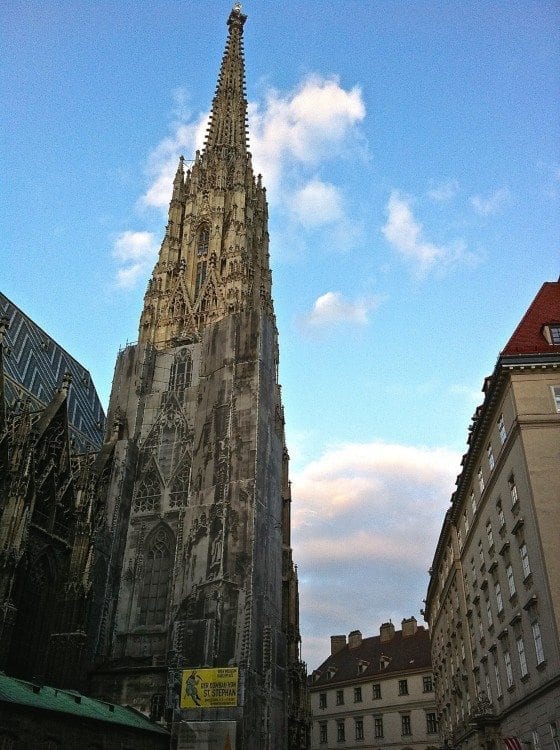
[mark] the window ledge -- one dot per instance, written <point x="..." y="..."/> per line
<point x="541" y="666"/>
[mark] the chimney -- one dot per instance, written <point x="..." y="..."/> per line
<point x="386" y="632"/>
<point x="408" y="627"/>
<point x="354" y="639"/>
<point x="337" y="643"/>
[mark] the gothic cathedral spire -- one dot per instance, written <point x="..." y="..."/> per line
<point x="214" y="258"/>
<point x="200" y="571"/>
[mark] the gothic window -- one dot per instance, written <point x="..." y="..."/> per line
<point x="147" y="494"/>
<point x="203" y="240"/>
<point x="200" y="276"/>
<point x="180" y="485"/>
<point x="157" y="573"/>
<point x="181" y="371"/>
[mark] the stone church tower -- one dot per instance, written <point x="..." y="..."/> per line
<point x="200" y="570"/>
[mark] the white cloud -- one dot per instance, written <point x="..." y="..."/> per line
<point x="492" y="204"/>
<point x="316" y="204"/>
<point x="304" y="126"/>
<point x="444" y="192"/>
<point x="331" y="308"/>
<point x="366" y="518"/>
<point x="136" y="253"/>
<point x="405" y="234"/>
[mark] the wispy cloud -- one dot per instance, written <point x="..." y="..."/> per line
<point x="491" y="204"/>
<point x="406" y="235"/>
<point x="331" y="309"/>
<point x="444" y="192"/>
<point x="316" y="204"/>
<point x="135" y="253"/>
<point x="361" y="512"/>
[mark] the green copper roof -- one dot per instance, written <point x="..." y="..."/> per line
<point x="68" y="702"/>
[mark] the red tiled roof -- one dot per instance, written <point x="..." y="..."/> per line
<point x="404" y="654"/>
<point x="528" y="337"/>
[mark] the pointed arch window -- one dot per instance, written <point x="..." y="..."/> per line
<point x="200" y="276"/>
<point x="147" y="494"/>
<point x="203" y="240"/>
<point x="181" y="371"/>
<point x="158" y="563"/>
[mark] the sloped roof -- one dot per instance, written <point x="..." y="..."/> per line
<point x="528" y="337"/>
<point x="405" y="654"/>
<point x="68" y="702"/>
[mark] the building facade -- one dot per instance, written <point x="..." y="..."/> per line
<point x="493" y="602"/>
<point x="375" y="692"/>
<point x="50" y="429"/>
<point x="197" y="497"/>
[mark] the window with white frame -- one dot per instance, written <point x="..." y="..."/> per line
<point x="500" y="512"/>
<point x="522" y="658"/>
<point x="359" y="729"/>
<point x="499" y="600"/>
<point x="509" y="670"/>
<point x="340" y="697"/>
<point x="502" y="429"/>
<point x="510" y="580"/>
<point x="357" y="695"/>
<point x="553" y="726"/>
<point x="490" y="457"/>
<point x="473" y="502"/>
<point x="376" y="691"/>
<point x="466" y="522"/>
<point x="378" y="727"/>
<point x="497" y="676"/>
<point x="480" y="477"/>
<point x="537" y="640"/>
<point x="406" y="728"/>
<point x="431" y="723"/>
<point x="556" y="396"/>
<point x="536" y="740"/>
<point x="340" y="730"/>
<point x="480" y="552"/>
<point x="489" y="534"/>
<point x="489" y="613"/>
<point x="524" y="555"/>
<point x="513" y="491"/>
<point x="427" y="683"/>
<point x="403" y="687"/>
<point x="554" y="332"/>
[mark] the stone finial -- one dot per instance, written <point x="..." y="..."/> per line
<point x="66" y="382"/>
<point x="4" y="325"/>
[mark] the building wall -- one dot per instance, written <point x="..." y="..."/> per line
<point x="494" y="592"/>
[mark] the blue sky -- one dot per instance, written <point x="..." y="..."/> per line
<point x="411" y="154"/>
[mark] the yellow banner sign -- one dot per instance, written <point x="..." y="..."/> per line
<point x="209" y="688"/>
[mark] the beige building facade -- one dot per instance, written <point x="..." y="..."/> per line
<point x="375" y="692"/>
<point x="493" y="602"/>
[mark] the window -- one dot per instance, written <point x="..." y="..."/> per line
<point x="405" y="725"/>
<point x="322" y="700"/>
<point x="181" y="371"/>
<point x="431" y="723"/>
<point x="157" y="569"/>
<point x="473" y="502"/>
<point x="488" y="686"/>
<point x="359" y="729"/>
<point x="510" y="580"/>
<point x="203" y="240"/>
<point x="403" y="687"/>
<point x="490" y="457"/>
<point x="536" y="740"/>
<point x="323" y="736"/>
<point x="509" y="671"/>
<point x="459" y="536"/>
<point x="340" y="697"/>
<point x="499" y="600"/>
<point x="7" y="742"/>
<point x="376" y="691"/>
<point x="513" y="491"/>
<point x="480" y="476"/>
<point x="378" y="727"/>
<point x="502" y="429"/>
<point x="554" y="332"/>
<point x="357" y="695"/>
<point x="489" y="534"/>
<point x="466" y="522"/>
<point x="521" y="654"/>
<point x="489" y="613"/>
<point x="427" y="683"/>
<point x="500" y="512"/>
<point x="340" y="731"/>
<point x="554" y="735"/>
<point x="556" y="396"/>
<point x="497" y="676"/>
<point x="524" y="555"/>
<point x="537" y="639"/>
<point x="480" y="552"/>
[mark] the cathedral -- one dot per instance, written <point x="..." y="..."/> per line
<point x="175" y="590"/>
